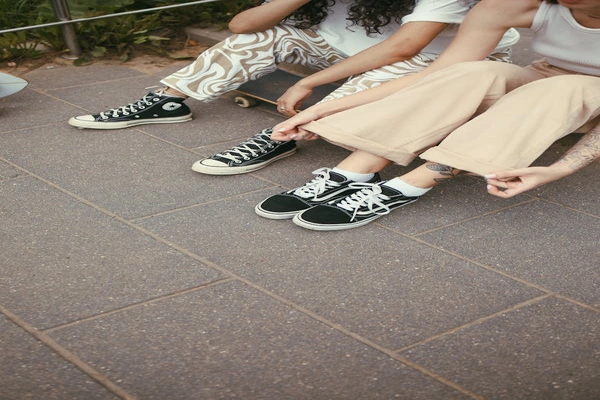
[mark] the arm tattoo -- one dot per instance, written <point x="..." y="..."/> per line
<point x="583" y="152"/>
<point x="445" y="171"/>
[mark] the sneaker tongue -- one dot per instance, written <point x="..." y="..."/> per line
<point x="339" y="178"/>
<point x="390" y="191"/>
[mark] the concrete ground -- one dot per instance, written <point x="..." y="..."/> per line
<point x="126" y="275"/>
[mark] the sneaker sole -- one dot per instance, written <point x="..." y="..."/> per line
<point x="339" y="227"/>
<point x="126" y="124"/>
<point x="271" y="215"/>
<point x="212" y="170"/>
<point x="330" y="227"/>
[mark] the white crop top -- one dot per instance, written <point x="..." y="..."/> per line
<point x="564" y="42"/>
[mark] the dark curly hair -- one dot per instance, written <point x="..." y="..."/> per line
<point x="370" y="15"/>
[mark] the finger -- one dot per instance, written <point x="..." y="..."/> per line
<point x="282" y="132"/>
<point x="301" y="134"/>
<point x="495" y="191"/>
<point x="497" y="184"/>
<point x="513" y="173"/>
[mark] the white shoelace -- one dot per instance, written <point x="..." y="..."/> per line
<point x="318" y="185"/>
<point x="370" y="195"/>
<point x="132" y="107"/>
<point x="243" y="151"/>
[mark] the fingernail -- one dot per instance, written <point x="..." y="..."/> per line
<point x="293" y="137"/>
<point x="489" y="187"/>
<point x="489" y="176"/>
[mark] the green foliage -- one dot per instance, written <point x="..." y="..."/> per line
<point x="109" y="36"/>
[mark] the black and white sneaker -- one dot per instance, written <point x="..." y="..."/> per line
<point x="325" y="187"/>
<point x="370" y="202"/>
<point x="255" y="153"/>
<point x="153" y="108"/>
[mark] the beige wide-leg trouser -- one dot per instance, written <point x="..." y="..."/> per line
<point x="520" y="112"/>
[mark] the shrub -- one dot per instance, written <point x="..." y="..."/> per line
<point x="109" y="36"/>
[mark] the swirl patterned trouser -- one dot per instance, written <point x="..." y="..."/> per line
<point x="243" y="57"/>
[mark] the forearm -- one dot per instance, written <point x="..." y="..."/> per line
<point x="364" y="61"/>
<point x="264" y="16"/>
<point x="408" y="41"/>
<point x="583" y="153"/>
<point x="367" y="96"/>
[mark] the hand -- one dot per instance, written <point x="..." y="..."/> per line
<point x="292" y="99"/>
<point x="511" y="183"/>
<point x="291" y="130"/>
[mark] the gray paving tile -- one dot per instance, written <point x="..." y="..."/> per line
<point x="8" y="171"/>
<point x="96" y="97"/>
<point x="577" y="191"/>
<point x="16" y="111"/>
<point x="52" y="76"/>
<point x="386" y="287"/>
<point x="543" y="243"/>
<point x="126" y="172"/>
<point x="62" y="260"/>
<point x="230" y="341"/>
<point x="545" y="351"/>
<point x="30" y="370"/>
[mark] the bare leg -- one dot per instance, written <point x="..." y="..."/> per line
<point x="173" y="92"/>
<point x="429" y="174"/>
<point x="363" y="162"/>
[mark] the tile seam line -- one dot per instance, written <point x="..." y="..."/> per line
<point x="569" y="208"/>
<point x="84" y="85"/>
<point x="485" y="214"/>
<point x="475" y="322"/>
<point x="257" y="287"/>
<point x="167" y="212"/>
<point x="139" y="304"/>
<point x="496" y="271"/>
<point x="67" y="355"/>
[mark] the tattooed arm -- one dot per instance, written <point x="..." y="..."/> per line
<point x="510" y="183"/>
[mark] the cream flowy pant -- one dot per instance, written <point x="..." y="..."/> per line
<point x="519" y="112"/>
<point x="243" y="57"/>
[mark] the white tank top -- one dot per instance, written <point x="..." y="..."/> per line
<point x="564" y="42"/>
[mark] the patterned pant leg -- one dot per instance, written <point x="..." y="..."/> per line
<point x="377" y="76"/>
<point x="244" y="57"/>
<point x="380" y="75"/>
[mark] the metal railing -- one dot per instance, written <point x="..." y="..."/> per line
<point x="61" y="9"/>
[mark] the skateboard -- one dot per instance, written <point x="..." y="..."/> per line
<point x="270" y="87"/>
<point x="10" y="84"/>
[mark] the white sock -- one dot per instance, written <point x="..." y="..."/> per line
<point x="354" y="176"/>
<point x="405" y="188"/>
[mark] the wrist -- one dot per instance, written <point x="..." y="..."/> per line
<point x="562" y="168"/>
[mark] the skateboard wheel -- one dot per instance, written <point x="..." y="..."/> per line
<point x="245" y="102"/>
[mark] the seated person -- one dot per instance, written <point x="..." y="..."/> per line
<point x="349" y="38"/>
<point x="458" y="114"/>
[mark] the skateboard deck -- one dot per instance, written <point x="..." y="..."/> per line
<point x="270" y="87"/>
<point x="10" y="84"/>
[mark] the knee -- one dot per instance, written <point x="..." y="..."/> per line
<point x="568" y="83"/>
<point x="247" y="41"/>
<point x="489" y="68"/>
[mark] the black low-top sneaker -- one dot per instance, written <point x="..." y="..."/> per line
<point x="325" y="187"/>
<point x="368" y="203"/>
<point x="153" y="108"/>
<point x="253" y="154"/>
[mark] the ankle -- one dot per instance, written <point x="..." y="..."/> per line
<point x="406" y="188"/>
<point x="175" y="93"/>
<point x="354" y="176"/>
